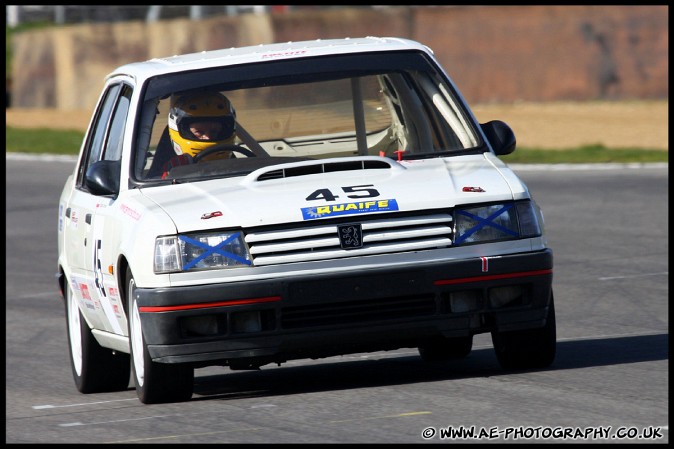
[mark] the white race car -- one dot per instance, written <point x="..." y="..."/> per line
<point x="256" y="205"/>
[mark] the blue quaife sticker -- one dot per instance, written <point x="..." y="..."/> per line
<point x="360" y="207"/>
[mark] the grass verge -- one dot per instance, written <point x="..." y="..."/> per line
<point x="42" y="140"/>
<point x="585" y="155"/>
<point x="51" y="141"/>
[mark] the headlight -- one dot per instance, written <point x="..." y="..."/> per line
<point x="505" y="221"/>
<point x="529" y="224"/>
<point x="206" y="251"/>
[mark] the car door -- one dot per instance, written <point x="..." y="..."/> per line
<point x="86" y="216"/>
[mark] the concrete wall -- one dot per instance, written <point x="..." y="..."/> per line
<point x="494" y="53"/>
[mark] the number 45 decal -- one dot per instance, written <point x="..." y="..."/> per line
<point x="357" y="191"/>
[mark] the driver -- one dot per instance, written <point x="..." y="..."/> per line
<point x="198" y="121"/>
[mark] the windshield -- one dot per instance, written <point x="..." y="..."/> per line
<point x="388" y="105"/>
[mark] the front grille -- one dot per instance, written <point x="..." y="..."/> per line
<point x="360" y="311"/>
<point x="382" y="234"/>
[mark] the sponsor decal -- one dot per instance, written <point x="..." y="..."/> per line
<point x="86" y="297"/>
<point x="85" y="292"/>
<point x="359" y="207"/>
<point x="217" y="213"/>
<point x="113" y="296"/>
<point x="130" y="212"/>
<point x="74" y="219"/>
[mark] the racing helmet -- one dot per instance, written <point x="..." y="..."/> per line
<point x="210" y="109"/>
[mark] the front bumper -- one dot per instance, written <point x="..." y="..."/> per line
<point x="257" y="322"/>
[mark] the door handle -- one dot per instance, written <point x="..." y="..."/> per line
<point x="87" y="218"/>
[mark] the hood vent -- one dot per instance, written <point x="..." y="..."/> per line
<point x="325" y="167"/>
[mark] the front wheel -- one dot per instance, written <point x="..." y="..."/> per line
<point x="95" y="369"/>
<point x="155" y="382"/>
<point x="530" y="348"/>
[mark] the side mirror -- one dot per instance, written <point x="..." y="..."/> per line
<point x="102" y="177"/>
<point x="501" y="137"/>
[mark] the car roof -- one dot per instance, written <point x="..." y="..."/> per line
<point x="263" y="52"/>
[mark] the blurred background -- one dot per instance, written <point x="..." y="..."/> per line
<point x="58" y="55"/>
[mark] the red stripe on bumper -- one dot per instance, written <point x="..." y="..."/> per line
<point x="207" y="305"/>
<point x="492" y="277"/>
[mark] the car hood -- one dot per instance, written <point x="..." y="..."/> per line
<point x="284" y="193"/>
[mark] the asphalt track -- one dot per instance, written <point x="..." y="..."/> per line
<point x="608" y="226"/>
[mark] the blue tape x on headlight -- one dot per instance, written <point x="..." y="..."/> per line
<point x="489" y="221"/>
<point x="212" y="250"/>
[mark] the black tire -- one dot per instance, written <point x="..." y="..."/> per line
<point x="526" y="349"/>
<point x="442" y="349"/>
<point x="155" y="382"/>
<point x="95" y="369"/>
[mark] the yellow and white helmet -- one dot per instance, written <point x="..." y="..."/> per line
<point x="211" y="109"/>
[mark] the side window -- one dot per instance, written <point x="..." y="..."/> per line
<point x="96" y="137"/>
<point x="113" y="149"/>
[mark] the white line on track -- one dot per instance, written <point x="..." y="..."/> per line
<point x="81" y="404"/>
<point x="666" y="273"/>
<point x="78" y="423"/>
<point x="54" y="294"/>
<point x="40" y="157"/>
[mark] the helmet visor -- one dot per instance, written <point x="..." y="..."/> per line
<point x="207" y="129"/>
